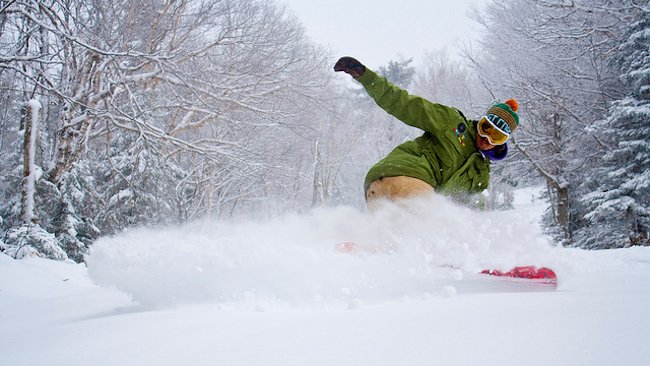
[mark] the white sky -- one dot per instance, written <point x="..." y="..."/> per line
<point x="377" y="31"/>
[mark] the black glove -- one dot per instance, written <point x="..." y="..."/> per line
<point x="350" y="66"/>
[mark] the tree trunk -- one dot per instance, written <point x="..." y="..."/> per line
<point x="563" y="211"/>
<point x="30" y="119"/>
<point x="318" y="195"/>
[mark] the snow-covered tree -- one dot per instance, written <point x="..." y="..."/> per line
<point x="553" y="56"/>
<point x="156" y="111"/>
<point x="31" y="172"/>
<point x="450" y="82"/>
<point x="618" y="209"/>
<point x="28" y="237"/>
<point x="399" y="72"/>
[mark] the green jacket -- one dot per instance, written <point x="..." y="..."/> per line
<point x="445" y="156"/>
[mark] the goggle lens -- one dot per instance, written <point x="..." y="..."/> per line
<point x="494" y="135"/>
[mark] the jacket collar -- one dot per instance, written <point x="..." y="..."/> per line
<point x="497" y="153"/>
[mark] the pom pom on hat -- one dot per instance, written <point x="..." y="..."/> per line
<point x="514" y="105"/>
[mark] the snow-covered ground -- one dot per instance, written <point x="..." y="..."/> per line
<point x="276" y="293"/>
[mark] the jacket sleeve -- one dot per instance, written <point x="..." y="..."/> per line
<point x="412" y="110"/>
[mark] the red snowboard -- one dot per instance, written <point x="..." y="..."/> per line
<point x="539" y="275"/>
<point x="529" y="274"/>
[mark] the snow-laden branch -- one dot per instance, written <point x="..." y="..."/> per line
<point x="556" y="181"/>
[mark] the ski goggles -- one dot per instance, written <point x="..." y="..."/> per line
<point x="494" y="128"/>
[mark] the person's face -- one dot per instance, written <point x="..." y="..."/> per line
<point x="482" y="143"/>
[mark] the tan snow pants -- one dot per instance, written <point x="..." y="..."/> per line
<point x="396" y="188"/>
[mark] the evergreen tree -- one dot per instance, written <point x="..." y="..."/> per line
<point x="399" y="72"/>
<point x="619" y="208"/>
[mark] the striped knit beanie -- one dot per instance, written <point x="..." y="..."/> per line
<point x="508" y="113"/>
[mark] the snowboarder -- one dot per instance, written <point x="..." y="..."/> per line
<point x="452" y="156"/>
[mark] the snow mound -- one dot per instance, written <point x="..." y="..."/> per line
<point x="413" y="250"/>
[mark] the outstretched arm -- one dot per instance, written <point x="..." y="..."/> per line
<point x="412" y="110"/>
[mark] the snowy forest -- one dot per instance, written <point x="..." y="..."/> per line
<point x="125" y="113"/>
